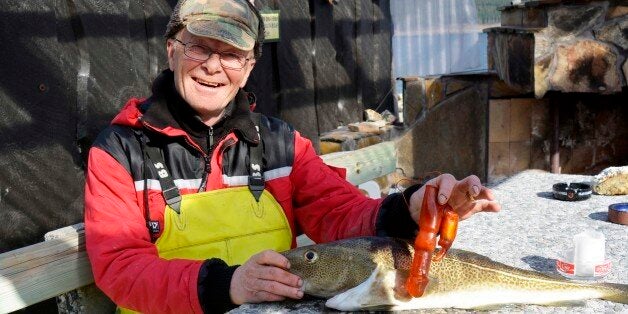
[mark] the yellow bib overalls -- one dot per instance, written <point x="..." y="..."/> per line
<point x="229" y="224"/>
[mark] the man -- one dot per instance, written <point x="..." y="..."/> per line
<point x="190" y="195"/>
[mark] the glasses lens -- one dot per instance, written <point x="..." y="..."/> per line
<point x="232" y="60"/>
<point x="201" y="53"/>
<point x="197" y="52"/>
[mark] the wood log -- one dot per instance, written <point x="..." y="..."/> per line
<point x="365" y="164"/>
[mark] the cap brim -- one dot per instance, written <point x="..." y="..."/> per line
<point x="222" y="31"/>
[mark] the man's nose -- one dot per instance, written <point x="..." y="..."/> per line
<point x="213" y="62"/>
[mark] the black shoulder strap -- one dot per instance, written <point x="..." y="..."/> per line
<point x="256" y="175"/>
<point x="168" y="188"/>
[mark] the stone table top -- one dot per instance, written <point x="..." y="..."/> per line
<point x="530" y="232"/>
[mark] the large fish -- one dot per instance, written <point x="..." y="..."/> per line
<point x="369" y="273"/>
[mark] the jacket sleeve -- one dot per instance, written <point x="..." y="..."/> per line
<point x="393" y="219"/>
<point x="124" y="261"/>
<point x="326" y="206"/>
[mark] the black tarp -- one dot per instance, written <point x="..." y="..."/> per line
<point x="66" y="69"/>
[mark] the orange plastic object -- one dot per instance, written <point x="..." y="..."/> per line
<point x="433" y="219"/>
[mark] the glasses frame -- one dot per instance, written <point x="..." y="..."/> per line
<point x="187" y="45"/>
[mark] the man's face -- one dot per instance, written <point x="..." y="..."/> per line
<point x="206" y="85"/>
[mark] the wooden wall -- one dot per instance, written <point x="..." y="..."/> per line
<point x="332" y="61"/>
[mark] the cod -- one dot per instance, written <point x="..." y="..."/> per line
<point x="369" y="273"/>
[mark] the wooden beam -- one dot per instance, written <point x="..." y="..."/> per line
<point x="365" y="164"/>
<point x="44" y="270"/>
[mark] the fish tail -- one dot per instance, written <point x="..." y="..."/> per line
<point x="616" y="293"/>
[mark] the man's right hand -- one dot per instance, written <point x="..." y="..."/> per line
<point x="264" y="277"/>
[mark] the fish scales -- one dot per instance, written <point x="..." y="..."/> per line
<point x="368" y="273"/>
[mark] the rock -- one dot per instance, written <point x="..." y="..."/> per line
<point x="612" y="181"/>
<point x="571" y="21"/>
<point x="367" y="127"/>
<point x="388" y="116"/>
<point x="615" y="33"/>
<point x="372" y="115"/>
<point x="541" y="71"/>
<point x="586" y="66"/>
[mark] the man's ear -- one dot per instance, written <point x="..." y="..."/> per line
<point x="249" y="69"/>
<point x="170" y="51"/>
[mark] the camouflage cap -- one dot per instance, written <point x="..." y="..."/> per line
<point x="230" y="21"/>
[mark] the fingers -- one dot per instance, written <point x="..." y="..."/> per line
<point x="264" y="277"/>
<point x="466" y="196"/>
<point x="270" y="258"/>
<point x="478" y="206"/>
<point x="471" y="185"/>
<point x="445" y="184"/>
<point x="483" y="202"/>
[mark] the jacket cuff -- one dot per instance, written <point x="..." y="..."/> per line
<point x="393" y="218"/>
<point x="214" y="282"/>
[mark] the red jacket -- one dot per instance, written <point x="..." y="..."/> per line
<point x="316" y="199"/>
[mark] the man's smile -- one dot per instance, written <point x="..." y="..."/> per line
<point x="207" y="83"/>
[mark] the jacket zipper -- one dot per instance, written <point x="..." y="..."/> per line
<point x="210" y="139"/>
<point x="206" y="157"/>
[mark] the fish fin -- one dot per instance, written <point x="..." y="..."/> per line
<point x="374" y="293"/>
<point x="489" y="307"/>
<point x="619" y="293"/>
<point x="569" y="303"/>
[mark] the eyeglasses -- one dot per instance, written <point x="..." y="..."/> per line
<point x="229" y="60"/>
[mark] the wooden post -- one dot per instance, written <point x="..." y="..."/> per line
<point x="555" y="142"/>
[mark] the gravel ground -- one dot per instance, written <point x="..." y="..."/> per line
<point x="531" y="231"/>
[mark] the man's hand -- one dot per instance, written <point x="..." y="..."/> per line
<point x="466" y="196"/>
<point x="264" y="277"/>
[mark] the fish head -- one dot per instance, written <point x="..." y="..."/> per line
<point x="331" y="268"/>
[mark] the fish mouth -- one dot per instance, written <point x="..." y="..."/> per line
<point x="311" y="289"/>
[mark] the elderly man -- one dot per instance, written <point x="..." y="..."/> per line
<point x="190" y="195"/>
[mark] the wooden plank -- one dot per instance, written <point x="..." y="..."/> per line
<point x="347" y="68"/>
<point x="44" y="270"/>
<point x="263" y="81"/>
<point x="374" y="54"/>
<point x="499" y="121"/>
<point x="335" y="68"/>
<point x="366" y="54"/>
<point x="365" y="164"/>
<point x="296" y="73"/>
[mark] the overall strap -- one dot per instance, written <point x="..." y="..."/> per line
<point x="168" y="188"/>
<point x="152" y="225"/>
<point x="256" y="175"/>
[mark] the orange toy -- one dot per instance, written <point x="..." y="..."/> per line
<point x="434" y="219"/>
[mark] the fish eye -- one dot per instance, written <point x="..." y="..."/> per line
<point x="310" y="256"/>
